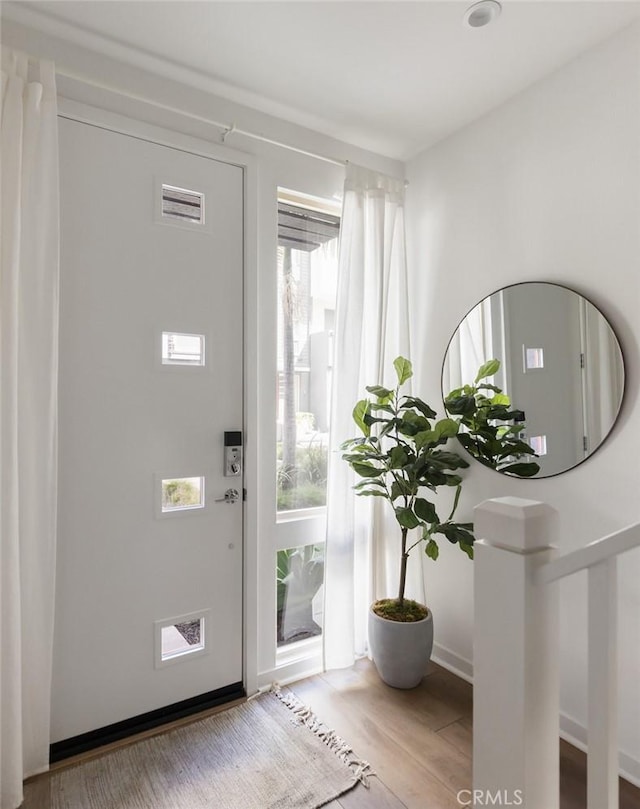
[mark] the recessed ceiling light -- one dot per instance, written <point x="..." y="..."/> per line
<point x="482" y="13"/>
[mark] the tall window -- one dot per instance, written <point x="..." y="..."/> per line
<point x="307" y="281"/>
<point x="307" y="284"/>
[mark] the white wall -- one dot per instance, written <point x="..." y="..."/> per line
<point x="546" y="187"/>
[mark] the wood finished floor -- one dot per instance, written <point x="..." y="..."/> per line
<point x="418" y="742"/>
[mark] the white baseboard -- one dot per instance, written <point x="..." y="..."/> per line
<point x="452" y="662"/>
<point x="576" y="734"/>
<point x="570" y="730"/>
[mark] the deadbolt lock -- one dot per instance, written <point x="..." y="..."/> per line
<point x="232" y="453"/>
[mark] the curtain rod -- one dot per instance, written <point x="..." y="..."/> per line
<point x="227" y="129"/>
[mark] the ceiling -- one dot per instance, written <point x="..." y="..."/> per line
<point x="392" y="77"/>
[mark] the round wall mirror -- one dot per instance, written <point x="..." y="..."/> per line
<point x="560" y="365"/>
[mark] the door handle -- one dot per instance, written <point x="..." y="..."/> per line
<point x="230" y="496"/>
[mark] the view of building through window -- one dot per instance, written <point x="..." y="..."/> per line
<point x="307" y="284"/>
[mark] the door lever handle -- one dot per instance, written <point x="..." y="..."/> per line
<point x="230" y="496"/>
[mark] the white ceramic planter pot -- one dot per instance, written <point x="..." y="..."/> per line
<point x="401" y="651"/>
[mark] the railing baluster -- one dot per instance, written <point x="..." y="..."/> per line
<point x="602" y="763"/>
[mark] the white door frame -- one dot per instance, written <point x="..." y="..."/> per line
<point x="177" y="140"/>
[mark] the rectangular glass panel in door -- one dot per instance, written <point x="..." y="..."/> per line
<point x="307" y="286"/>
<point x="142" y="540"/>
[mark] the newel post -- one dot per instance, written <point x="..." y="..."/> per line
<point x="515" y="657"/>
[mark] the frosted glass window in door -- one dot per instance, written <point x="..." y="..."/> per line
<point x="182" y="494"/>
<point x="182" y="638"/>
<point x="534" y="358"/>
<point x="182" y="349"/>
<point x="182" y="204"/>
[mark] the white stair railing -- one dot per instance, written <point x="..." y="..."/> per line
<point x="516" y="687"/>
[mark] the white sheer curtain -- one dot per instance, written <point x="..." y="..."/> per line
<point x="361" y="557"/>
<point x="470" y="347"/>
<point x="28" y="435"/>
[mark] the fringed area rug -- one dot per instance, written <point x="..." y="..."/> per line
<point x="268" y="753"/>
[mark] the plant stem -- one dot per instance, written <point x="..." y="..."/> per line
<point x="403" y="567"/>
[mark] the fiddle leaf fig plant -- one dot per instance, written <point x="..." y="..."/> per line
<point x="491" y="427"/>
<point x="402" y="457"/>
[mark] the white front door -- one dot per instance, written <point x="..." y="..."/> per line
<point x="149" y="573"/>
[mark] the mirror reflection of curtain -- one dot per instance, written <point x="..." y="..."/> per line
<point x="604" y="376"/>
<point x="470" y="347"/>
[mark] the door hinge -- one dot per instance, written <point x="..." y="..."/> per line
<point x="585" y="443"/>
<point x="582" y="361"/>
<point x="244" y="492"/>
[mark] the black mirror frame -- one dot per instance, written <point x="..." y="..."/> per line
<point x="617" y="344"/>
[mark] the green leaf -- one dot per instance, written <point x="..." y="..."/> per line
<point x="426" y="438"/>
<point x="371" y="493"/>
<point x="369" y="482"/>
<point x="505" y="414"/>
<point x="489" y="368"/>
<point x="388" y="427"/>
<point x="369" y="419"/>
<point x="425" y="510"/>
<point x="468" y="549"/>
<point x="517" y="447"/>
<point x="366" y="470"/>
<point x="408" y="425"/>
<point x="410" y="417"/>
<point x="380" y="392"/>
<point x="521" y="470"/>
<point x="489" y="386"/>
<point x="446" y="428"/>
<point x="400" y="488"/>
<point x="382" y="406"/>
<point x="501" y="399"/>
<point x="467" y="441"/>
<point x="454" y="532"/>
<point x="403" y="368"/>
<point x="512" y="429"/>
<point x="407" y="518"/>
<point x="359" y="412"/>
<point x="359" y="449"/>
<point x="432" y="550"/>
<point x="361" y="458"/>
<point x="461" y="405"/>
<point x="449" y="460"/>
<point x="418" y="404"/>
<point x="398" y="457"/>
